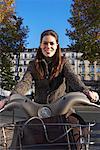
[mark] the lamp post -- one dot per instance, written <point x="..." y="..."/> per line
<point x="17" y="66"/>
<point x="77" y="62"/>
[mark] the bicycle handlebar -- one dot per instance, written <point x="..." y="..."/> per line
<point x="59" y="107"/>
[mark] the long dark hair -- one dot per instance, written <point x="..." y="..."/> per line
<point x="57" y="58"/>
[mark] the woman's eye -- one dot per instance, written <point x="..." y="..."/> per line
<point x="51" y="43"/>
<point x="46" y="43"/>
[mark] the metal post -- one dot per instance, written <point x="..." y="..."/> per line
<point x="17" y="66"/>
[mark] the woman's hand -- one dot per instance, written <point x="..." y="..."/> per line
<point x="92" y="96"/>
<point x="3" y="102"/>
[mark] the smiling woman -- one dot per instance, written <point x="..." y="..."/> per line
<point x="51" y="72"/>
<point x="49" y="45"/>
<point x="52" y="75"/>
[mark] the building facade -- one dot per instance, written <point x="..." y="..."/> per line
<point x="84" y="69"/>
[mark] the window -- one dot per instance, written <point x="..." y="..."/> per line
<point x="72" y="55"/>
<point x="32" y="56"/>
<point x="98" y="70"/>
<point x="92" y="68"/>
<point x="73" y="62"/>
<point x="25" y="55"/>
<point x="92" y="77"/>
<point x="20" y="69"/>
<point x="24" y="62"/>
<point x="82" y="77"/>
<point x="24" y="69"/>
<point x="83" y="68"/>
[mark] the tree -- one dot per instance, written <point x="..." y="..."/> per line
<point x="6" y="9"/>
<point x="85" y="24"/>
<point x="6" y="74"/>
<point x="13" y="37"/>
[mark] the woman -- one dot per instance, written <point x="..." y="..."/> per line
<point x="52" y="75"/>
<point x="51" y="72"/>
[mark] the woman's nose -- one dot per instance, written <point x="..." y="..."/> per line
<point x="48" y="45"/>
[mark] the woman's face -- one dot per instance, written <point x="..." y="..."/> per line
<point x="48" y="45"/>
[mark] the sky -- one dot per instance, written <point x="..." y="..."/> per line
<point x="40" y="15"/>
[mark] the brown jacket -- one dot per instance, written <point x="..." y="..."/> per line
<point x="47" y="90"/>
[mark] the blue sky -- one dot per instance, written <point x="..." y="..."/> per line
<point x="40" y="15"/>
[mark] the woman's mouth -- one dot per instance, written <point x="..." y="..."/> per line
<point x="49" y="50"/>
